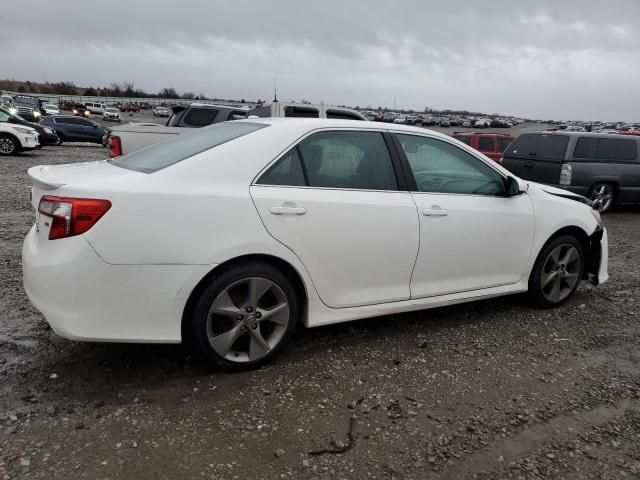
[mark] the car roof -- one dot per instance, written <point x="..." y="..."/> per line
<point x="213" y="105"/>
<point x="579" y="134"/>
<point x="324" y="123"/>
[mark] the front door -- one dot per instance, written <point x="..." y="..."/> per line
<point x="472" y="236"/>
<point x="334" y="200"/>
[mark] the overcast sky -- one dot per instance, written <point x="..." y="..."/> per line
<point x="571" y="59"/>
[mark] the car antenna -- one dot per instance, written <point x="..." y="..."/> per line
<point x="275" y="90"/>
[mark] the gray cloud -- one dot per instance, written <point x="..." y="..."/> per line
<point x="548" y="59"/>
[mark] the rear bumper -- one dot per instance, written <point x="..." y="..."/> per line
<point x="84" y="298"/>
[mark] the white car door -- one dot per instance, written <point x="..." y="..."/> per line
<point x="472" y="235"/>
<point x="336" y="201"/>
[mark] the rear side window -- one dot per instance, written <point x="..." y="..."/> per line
<point x="301" y="112"/>
<point x="485" y="144"/>
<point x="614" y="149"/>
<point x="539" y="146"/>
<point x="586" y="147"/>
<point x="463" y="138"/>
<point x="180" y="147"/>
<point x="503" y="143"/>
<point x="354" y="160"/>
<point x="286" y="171"/>
<point x="200" y="117"/>
<point x="342" y="115"/>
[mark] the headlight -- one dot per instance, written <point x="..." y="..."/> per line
<point x="36" y="114"/>
<point x="48" y="130"/>
<point x="596" y="215"/>
<point x="13" y="110"/>
<point x="75" y="112"/>
<point x="26" y="131"/>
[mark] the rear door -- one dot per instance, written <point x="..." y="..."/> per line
<point x="336" y="201"/>
<point x="536" y="156"/>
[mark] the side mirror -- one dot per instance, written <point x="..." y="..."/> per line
<point x="512" y="187"/>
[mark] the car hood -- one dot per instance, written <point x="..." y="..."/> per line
<point x="559" y="192"/>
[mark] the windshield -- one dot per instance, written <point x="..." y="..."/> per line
<point x="27" y="100"/>
<point x="161" y="155"/>
<point x="112" y="110"/>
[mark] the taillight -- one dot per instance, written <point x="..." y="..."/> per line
<point x="565" y="174"/>
<point x="115" y="146"/>
<point x="71" y="216"/>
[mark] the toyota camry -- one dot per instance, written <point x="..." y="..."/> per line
<point x="230" y="236"/>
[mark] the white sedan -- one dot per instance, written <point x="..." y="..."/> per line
<point x="231" y="235"/>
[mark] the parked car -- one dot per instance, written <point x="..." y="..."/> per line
<point x="490" y="144"/>
<point x="50" y="109"/>
<point x="129" y="108"/>
<point x="28" y="107"/>
<point x="161" y="112"/>
<point x="95" y="108"/>
<point x="444" y="122"/>
<point x="249" y="231"/>
<point x="112" y="114"/>
<point x="401" y="120"/>
<point x="602" y="167"/>
<point x="133" y="136"/>
<point x="79" y="110"/>
<point x="46" y="135"/>
<point x="74" y="129"/>
<point x="17" y="138"/>
<point x="482" y="123"/>
<point x="307" y="110"/>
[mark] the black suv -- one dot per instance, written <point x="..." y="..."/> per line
<point x="603" y="167"/>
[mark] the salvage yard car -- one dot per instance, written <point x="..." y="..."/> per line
<point x="229" y="236"/>
<point x="74" y="129"/>
<point x="603" y="167"/>
<point x="111" y="113"/>
<point x="491" y="144"/>
<point x="306" y="110"/>
<point x="46" y="135"/>
<point x="17" y="138"/>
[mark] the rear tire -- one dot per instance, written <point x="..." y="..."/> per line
<point x="245" y="317"/>
<point x="557" y="272"/>
<point x="9" y="145"/>
<point x="603" y="196"/>
<point x="59" y="142"/>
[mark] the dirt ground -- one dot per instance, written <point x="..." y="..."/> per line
<point x="492" y="389"/>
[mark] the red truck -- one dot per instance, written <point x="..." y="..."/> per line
<point x="491" y="144"/>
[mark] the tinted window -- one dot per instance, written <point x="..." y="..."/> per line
<point x="200" y="117"/>
<point x="357" y="160"/>
<point x="441" y="167"/>
<point x="286" y="171"/>
<point x="261" y="111"/>
<point x="180" y="147"/>
<point x="540" y="146"/>
<point x="614" y="149"/>
<point x="485" y="143"/>
<point x="503" y="143"/>
<point x="70" y="120"/>
<point x="341" y="115"/>
<point x="463" y="138"/>
<point x="301" y="112"/>
<point x="586" y="147"/>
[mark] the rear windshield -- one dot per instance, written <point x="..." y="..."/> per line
<point x="180" y="147"/>
<point x="539" y="146"/>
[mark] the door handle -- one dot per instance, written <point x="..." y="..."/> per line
<point x="288" y="210"/>
<point x="435" y="212"/>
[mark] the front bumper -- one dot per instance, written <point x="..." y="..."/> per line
<point x="597" y="257"/>
<point x="48" y="139"/>
<point x="84" y="298"/>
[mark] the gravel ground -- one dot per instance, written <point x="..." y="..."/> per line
<point x="492" y="389"/>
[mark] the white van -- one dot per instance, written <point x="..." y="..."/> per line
<point x="95" y="107"/>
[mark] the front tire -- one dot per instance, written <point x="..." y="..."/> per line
<point x="245" y="316"/>
<point x="557" y="272"/>
<point x="8" y="145"/>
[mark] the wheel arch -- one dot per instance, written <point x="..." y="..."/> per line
<point x="14" y="138"/>
<point x="282" y="265"/>
<point x="575" y="231"/>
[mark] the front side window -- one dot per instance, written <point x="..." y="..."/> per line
<point x="354" y="160"/>
<point x="440" y="167"/>
<point x="4" y="117"/>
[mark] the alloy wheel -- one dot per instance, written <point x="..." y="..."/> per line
<point x="7" y="146"/>
<point x="561" y="272"/>
<point x="602" y="197"/>
<point x="247" y="319"/>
